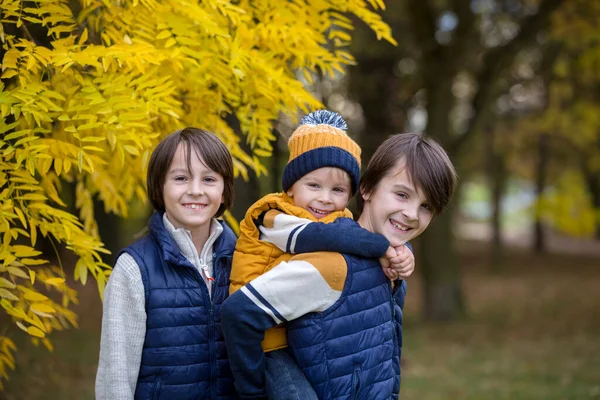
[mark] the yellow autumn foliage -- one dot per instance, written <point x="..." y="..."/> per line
<point x="571" y="118"/>
<point x="567" y="207"/>
<point x="89" y="87"/>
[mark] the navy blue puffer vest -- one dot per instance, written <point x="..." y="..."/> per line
<point x="184" y="355"/>
<point x="352" y="350"/>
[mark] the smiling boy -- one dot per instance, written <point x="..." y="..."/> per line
<point x="318" y="181"/>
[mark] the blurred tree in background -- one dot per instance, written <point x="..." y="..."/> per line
<point x="89" y="87"/>
<point x="454" y="62"/>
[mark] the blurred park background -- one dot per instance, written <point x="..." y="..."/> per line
<point x="505" y="300"/>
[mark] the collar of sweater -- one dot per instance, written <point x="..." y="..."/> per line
<point x="183" y="239"/>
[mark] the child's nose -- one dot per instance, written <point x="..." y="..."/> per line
<point x="195" y="188"/>
<point x="325" y="197"/>
<point x="410" y="212"/>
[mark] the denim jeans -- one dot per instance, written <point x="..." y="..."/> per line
<point x="285" y="380"/>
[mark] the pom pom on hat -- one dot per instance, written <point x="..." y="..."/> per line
<point x="325" y="117"/>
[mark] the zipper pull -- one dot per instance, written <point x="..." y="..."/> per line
<point x="207" y="273"/>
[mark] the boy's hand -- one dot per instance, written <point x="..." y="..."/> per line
<point x="404" y="262"/>
<point x="398" y="262"/>
<point x="386" y="264"/>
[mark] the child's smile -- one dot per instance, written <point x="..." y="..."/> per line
<point x="396" y="209"/>
<point x="192" y="196"/>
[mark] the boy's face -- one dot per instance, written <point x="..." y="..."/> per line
<point x="322" y="191"/>
<point x="396" y="209"/>
<point x="191" y="200"/>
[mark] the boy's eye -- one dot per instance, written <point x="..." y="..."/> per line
<point x="426" y="207"/>
<point x="313" y="185"/>
<point x="209" y="179"/>
<point x="180" y="178"/>
<point x="402" y="195"/>
<point x="339" y="190"/>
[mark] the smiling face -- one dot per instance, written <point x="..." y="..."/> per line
<point x="396" y="208"/>
<point x="322" y="191"/>
<point x="192" y="196"/>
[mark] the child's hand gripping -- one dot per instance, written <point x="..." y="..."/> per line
<point x="398" y="262"/>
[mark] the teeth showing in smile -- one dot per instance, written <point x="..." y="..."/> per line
<point x="398" y="226"/>
<point x="321" y="212"/>
<point x="193" y="206"/>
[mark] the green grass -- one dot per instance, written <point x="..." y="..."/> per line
<point x="532" y="332"/>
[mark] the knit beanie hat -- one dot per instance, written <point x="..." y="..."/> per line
<point x="321" y="141"/>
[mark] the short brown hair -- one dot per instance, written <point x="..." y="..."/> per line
<point x="429" y="168"/>
<point x="208" y="147"/>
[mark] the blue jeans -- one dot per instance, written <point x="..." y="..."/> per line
<point x="285" y="380"/>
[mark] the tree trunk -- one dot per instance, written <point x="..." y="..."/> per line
<point x="371" y="85"/>
<point x="276" y="170"/>
<point x="246" y="193"/>
<point x="438" y="261"/>
<point x="593" y="183"/>
<point x="595" y="192"/>
<point x="443" y="296"/>
<point x="497" y="180"/>
<point x="539" y="236"/>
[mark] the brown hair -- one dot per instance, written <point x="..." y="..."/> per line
<point x="209" y="148"/>
<point x="429" y="168"/>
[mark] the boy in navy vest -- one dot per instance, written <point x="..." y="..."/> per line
<point x="319" y="180"/>
<point x="343" y="316"/>
<point x="161" y="325"/>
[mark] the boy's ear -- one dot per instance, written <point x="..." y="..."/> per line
<point x="365" y="196"/>
<point x="290" y="193"/>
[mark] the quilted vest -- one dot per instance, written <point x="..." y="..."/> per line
<point x="184" y="354"/>
<point x="253" y="257"/>
<point x="352" y="350"/>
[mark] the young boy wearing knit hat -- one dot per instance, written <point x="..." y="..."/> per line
<point x="319" y="180"/>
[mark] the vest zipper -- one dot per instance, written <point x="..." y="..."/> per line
<point x="393" y="302"/>
<point x="211" y="332"/>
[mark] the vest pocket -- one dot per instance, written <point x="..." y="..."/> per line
<point x="156" y="389"/>
<point x="356" y="382"/>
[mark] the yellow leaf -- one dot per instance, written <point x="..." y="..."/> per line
<point x="132" y="150"/>
<point x="171" y="42"/>
<point x="16" y="271"/>
<point x="9" y="73"/>
<point x="34" y="296"/>
<point x="25" y="251"/>
<point x="30" y="62"/>
<point x="54" y="281"/>
<point x="32" y="196"/>
<point x="16" y="312"/>
<point x="84" y="36"/>
<point x="33" y="331"/>
<point x="48" y="344"/>
<point x="6" y="283"/>
<point x="58" y="163"/>
<point x="33" y="261"/>
<point x="4" y="293"/>
<point x="42" y="310"/>
<point x="81" y="271"/>
<point x="163" y="35"/>
<point x="32" y="232"/>
<point x="21" y="217"/>
<point x="32" y="276"/>
<point x="20" y="325"/>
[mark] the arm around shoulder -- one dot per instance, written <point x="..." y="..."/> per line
<point x="299" y="235"/>
<point x="123" y="332"/>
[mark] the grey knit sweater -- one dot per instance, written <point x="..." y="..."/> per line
<point x="124" y="315"/>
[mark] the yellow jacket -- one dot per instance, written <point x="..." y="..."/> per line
<point x="253" y="257"/>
